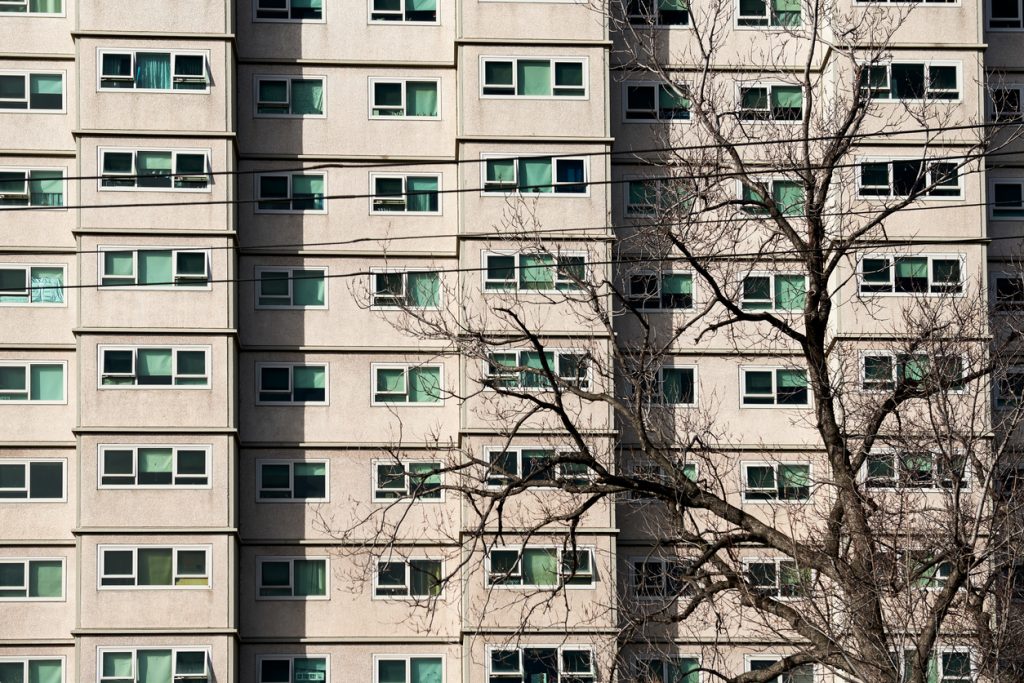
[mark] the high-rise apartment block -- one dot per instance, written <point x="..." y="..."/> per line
<point x="217" y="218"/>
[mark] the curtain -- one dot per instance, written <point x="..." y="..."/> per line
<point x="534" y="77"/>
<point x="422" y="5"/>
<point x="155" y="165"/>
<point x="153" y="366"/>
<point x="391" y="380"/>
<point x="501" y="171"/>
<point x="46" y="188"/>
<point x="914" y="367"/>
<point x="309" y="383"/>
<point x="310" y="577"/>
<point x="677" y="385"/>
<point x="789" y="196"/>
<point x="536" y="271"/>
<point x="308" y="288"/>
<point x="155" y="465"/>
<point x="912" y="268"/>
<point x="47" y="285"/>
<point x="425" y="670"/>
<point x="790" y="292"/>
<point x="155" y="268"/>
<point x="310" y="480"/>
<point x="45" y="579"/>
<point x="45" y="6"/>
<point x="536" y="376"/>
<point x="153" y="70"/>
<point x="677" y="283"/>
<point x="424" y="290"/>
<point x="787" y="12"/>
<point x="424" y="385"/>
<point x="307" y="192"/>
<point x="155" y="567"/>
<point x="46" y="91"/>
<point x="795" y="476"/>
<point x="421" y="194"/>
<point x="117" y="665"/>
<point x="787" y="97"/>
<point x="425" y="577"/>
<point x="44" y="670"/>
<point x="792" y="379"/>
<point x="154" y="666"/>
<point x="540" y="567"/>
<point x="671" y="101"/>
<point x="420" y="98"/>
<point x="47" y="382"/>
<point x="308" y="96"/>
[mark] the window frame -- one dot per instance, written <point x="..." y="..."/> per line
<point x="173" y="649"/>
<point x="287" y="78"/>
<point x="560" y="550"/>
<point x="290" y="658"/>
<point x="27" y="170"/>
<point x="27" y="464"/>
<point x="101" y="152"/>
<point x="406" y="493"/>
<point x="173" y="55"/>
<point x="559" y="475"/>
<point x="29" y="13"/>
<point x="27" y="364"/>
<point x="570" y="286"/>
<point x="773" y="304"/>
<point x="1018" y="182"/>
<point x="927" y="64"/>
<point x="377" y="658"/>
<point x="289" y="175"/>
<point x="775" y="389"/>
<point x="290" y="559"/>
<point x="999" y="402"/>
<point x="404" y="272"/>
<point x="555" y="159"/>
<point x="583" y="61"/>
<point x="404" y="177"/>
<point x="657" y="118"/>
<point x="27" y="74"/>
<point x="374" y="80"/>
<point x="370" y="21"/>
<point x="748" y="658"/>
<point x="665" y="573"/>
<point x="929" y="196"/>
<point x="777" y="561"/>
<point x="896" y="360"/>
<point x="405" y="561"/>
<point x="326" y="462"/>
<point x="900" y="485"/>
<point x="1006" y="306"/>
<point x="642" y="665"/>
<point x="930" y="257"/>
<point x="776" y="499"/>
<point x="27" y="268"/>
<point x="660" y="276"/>
<point x="26" y="561"/>
<point x="103" y="249"/>
<point x="520" y="676"/>
<point x="207" y="349"/>
<point x="291" y="270"/>
<point x="582" y="383"/>
<point x="646" y="20"/>
<point x="291" y="382"/>
<point x="769" y="16"/>
<point x="289" y="20"/>
<point x="768" y="86"/>
<point x="101" y="450"/>
<point x="374" y="367"/>
<point x="25" y="660"/>
<point x="987" y="10"/>
<point x="102" y="548"/>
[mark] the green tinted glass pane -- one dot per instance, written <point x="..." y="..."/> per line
<point x="540" y="567"/>
<point x="424" y="385"/>
<point x="754" y="98"/>
<point x="760" y="477"/>
<point x="46" y="188"/>
<point x="790" y="292"/>
<point x="534" y="77"/>
<point x="498" y="73"/>
<point x="47" y="382"/>
<point x="387" y="95"/>
<point x="789" y="196"/>
<point x="312" y="669"/>
<point x="310" y="377"/>
<point x="12" y="574"/>
<point x="670" y="98"/>
<point x="677" y="283"/>
<point x="118" y="263"/>
<point x="273" y="187"/>
<point x="154" y="162"/>
<point x="154" y="666"/>
<point x="758" y="382"/>
<point x="155" y="268"/>
<point x="424" y="290"/>
<point x="787" y="96"/>
<point x="155" y="567"/>
<point x="308" y="185"/>
<point x="156" y="461"/>
<point x="795" y="475"/>
<point x="390" y="380"/>
<point x="45" y="579"/>
<point x="154" y="366"/>
<point x="308" y="288"/>
<point x="912" y="267"/>
<point x="273" y="576"/>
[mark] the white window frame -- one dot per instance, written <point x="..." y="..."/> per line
<point x="966" y="483"/>
<point x="404" y="177"/>
<point x="404" y="272"/>
<point x="660" y="276"/>
<point x="584" y="62"/>
<point x="288" y="20"/>
<point x="931" y="258"/>
<point x="291" y="663"/>
<point x="896" y="359"/>
<point x="175" y="275"/>
<point x="134" y="549"/>
<point x="590" y="676"/>
<point x="743" y="85"/>
<point x="1019" y="182"/>
<point x="555" y="159"/>
<point x="291" y="481"/>
<point x="374" y="367"/>
<point x="27" y="464"/>
<point x="776" y="500"/>
<point x="405" y="494"/>
<point x="771" y="300"/>
<point x="174" y="54"/>
<point x="928" y="196"/>
<point x="404" y="561"/>
<point x="101" y="450"/>
<point x="28" y="170"/>
<point x="206" y="349"/>
<point x="291" y="270"/>
<point x="645" y="21"/>
<point x="27" y="364"/>
<point x="134" y="151"/>
<point x="291" y="196"/>
<point x="25" y="573"/>
<point x="173" y="649"/>
<point x="290" y="559"/>
<point x="583" y="384"/>
<point x="569" y="284"/>
<point x="627" y="119"/>
<point x="489" y="574"/>
<point x="374" y="80"/>
<point x="287" y="78"/>
<point x="370" y="21"/>
<point x="559" y="475"/>
<point x="936" y="654"/>
<point x="27" y="268"/>
<point x="24" y="661"/>
<point x="769" y="24"/>
<point x="778" y="561"/>
<point x="291" y="367"/>
<point x="28" y="96"/>
<point x="775" y="658"/>
<point x="406" y="658"/>
<point x="927" y="64"/>
<point x="29" y="13"/>
<point x="775" y="405"/>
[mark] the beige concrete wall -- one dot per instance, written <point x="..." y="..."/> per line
<point x="41" y="618"/>
<point x="190" y="16"/>
<point x="554" y="21"/>
<point x="37" y="227"/>
<point x="32" y="520"/>
<point x="43" y="422"/>
<point x="40" y="34"/>
<point x="40" y="130"/>
<point x="352" y="659"/>
<point x="221" y="647"/>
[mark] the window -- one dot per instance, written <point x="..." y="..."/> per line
<point x="658" y="12"/>
<point x="165" y="268"/>
<point x="31" y="480"/>
<point x="519" y="464"/>
<point x="31" y="91"/>
<point x="884" y="371"/>
<point x="406" y="384"/>
<point x="154" y="567"/>
<point x="31" y="285"/>
<point x="532" y="369"/>
<point x="406" y="289"/>
<point x="1007" y="200"/>
<point x="126" y="466"/>
<point x="667" y="290"/>
<point x="292" y="383"/>
<point x="155" y="170"/>
<point x="405" y="194"/>
<point x="680" y="669"/>
<point x="540" y="567"/>
<point x="545" y="175"/>
<point x="771" y="103"/>
<point x="289" y="10"/>
<point x="412" y="578"/>
<point x="910" y="81"/>
<point x="531" y="272"/>
<point x="143" y="70"/>
<point x="654" y="196"/>
<point x="909" y="177"/>
<point x="774" y="387"/>
<point x="777" y="292"/>
<point x="150" y="366"/>
<point x="156" y="665"/>
<point x="671" y="385"/>
<point x="395" y="480"/>
<point x="31" y="6"/>
<point x="408" y="11"/>
<point x="1010" y="388"/>
<point x="803" y="673"/>
<point x="293" y="577"/>
<point x="915" y="470"/>
<point x="292" y="669"/>
<point x="865" y="2"/>
<point x="31" y="579"/>
<point x="403" y="99"/>
<point x="768" y="13"/>
<point x="776" y="482"/>
<point x="923" y="570"/>
<point x="292" y="481"/>
<point x="398" y="669"/>
<point x="291" y="287"/>
<point x="31" y="187"/>
<point x="884" y="274"/>
<point x="36" y="382"/>
<point x="787" y="195"/>
<point x="650" y="472"/>
<point x="654" y="577"/>
<point x="1008" y="290"/>
<point x="530" y="77"/>
<point x="777" y="578"/>
<point x="32" y="669"/>
<point x="566" y="664"/>
<point x="657" y="102"/>
<point x="952" y="666"/>
<point x="1006" y="14"/>
<point x="290" y="192"/>
<point x="290" y="96"/>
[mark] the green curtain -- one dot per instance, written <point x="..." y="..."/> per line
<point x="155" y="268"/>
<point x="684" y="670"/>
<point x="46" y="91"/>
<point x="501" y="171"/>
<point x="391" y="671"/>
<point x="424" y="290"/>
<point x="787" y="12"/>
<point x="117" y="665"/>
<point x="540" y="567"/>
<point x="422" y="5"/>
<point x="421" y="98"/>
<point x="536" y="375"/>
<point x="787" y="96"/>
<point x="45" y="579"/>
<point x="677" y="385"/>
<point x="47" y="285"/>
<point x="154" y="666"/>
<point x="44" y="6"/>
<point x="421" y="193"/>
<point x="307" y="192"/>
<point x="425" y="670"/>
<point x="795" y="475"/>
<point x="118" y="264"/>
<point x="536" y="272"/>
<point x="912" y="267"/>
<point x="155" y="465"/>
<point x="670" y="99"/>
<point x="789" y="196"/>
<point x="155" y="567"/>
<point x="310" y="577"/>
<point x="790" y="292"/>
<point x="424" y="385"/>
<point x="677" y="283"/>
<point x="46" y="188"/>
<point x="45" y="670"/>
<point x="427" y="475"/>
<point x="153" y="70"/>
<point x="534" y="77"/>
<point x="47" y="382"/>
<point x="307" y="96"/>
<point x="792" y="379"/>
<point x="914" y="367"/>
<point x="309" y="383"/>
<point x="535" y="175"/>
<point x="308" y="288"/>
<point x="153" y="366"/>
<point x="391" y="380"/>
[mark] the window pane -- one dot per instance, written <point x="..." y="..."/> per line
<point x="308" y="288"/>
<point x="153" y="70"/>
<point x="45" y="579"/>
<point x="155" y="566"/>
<point x="190" y="662"/>
<point x="313" y="669"/>
<point x="154" y="666"/>
<point x="424" y="290"/>
<point x="534" y="77"/>
<point x="424" y="385"/>
<point x="117" y="665"/>
<point x="47" y="382"/>
<point x="540" y="567"/>
<point x="310" y="480"/>
<point x="421" y="99"/>
<point x="155" y="268"/>
<point x="310" y="577"/>
<point x="308" y="97"/>
<point x="422" y="193"/>
<point x="45" y="670"/>
<point x="153" y="366"/>
<point x="46" y="480"/>
<point x="155" y="466"/>
<point x="498" y="73"/>
<point x="391" y="671"/>
<point x="425" y="670"/>
<point x="46" y="91"/>
<point x="310" y="383"/>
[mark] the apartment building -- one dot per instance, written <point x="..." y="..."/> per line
<point x="211" y="389"/>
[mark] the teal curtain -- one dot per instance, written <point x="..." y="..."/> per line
<point x="153" y="70"/>
<point x="310" y="577"/>
<point x="912" y="267"/>
<point x="45" y="579"/>
<point x="424" y="290"/>
<point x="44" y="6"/>
<point x="307" y="96"/>
<point x="154" y="666"/>
<point x="153" y="366"/>
<point x="47" y="382"/>
<point x="307" y="192"/>
<point x="155" y="567"/>
<point x="45" y="670"/>
<point x="536" y="272"/>
<point x="501" y="171"/>
<point x="792" y="379"/>
<point x="787" y="96"/>
<point x="155" y="268"/>
<point x="677" y="283"/>
<point x="534" y="77"/>
<point x="424" y="385"/>
<point x="421" y="5"/>
<point x="388" y="382"/>
<point x="422" y="194"/>
<point x="790" y="292"/>
<point x="421" y="98"/>
<point x="789" y="196"/>
<point x="117" y="665"/>
<point x="425" y="670"/>
<point x="536" y="376"/>
<point x="535" y="175"/>
<point x="787" y="12"/>
<point x="47" y="285"/>
<point x="540" y="567"/>
<point x="46" y="188"/>
<point x="308" y="288"/>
